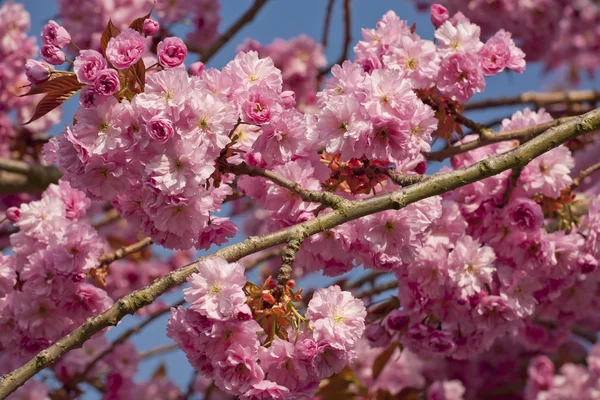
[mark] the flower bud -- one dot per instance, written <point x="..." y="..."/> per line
<point x="438" y="15"/>
<point x="196" y="68"/>
<point x="150" y="27"/>
<point x="377" y="335"/>
<point x="37" y="72"/>
<point x="13" y="214"/>
<point x="55" y="35"/>
<point x="52" y="54"/>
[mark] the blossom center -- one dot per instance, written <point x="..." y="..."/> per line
<point x="411" y="63"/>
<point x="253" y="78"/>
<point x="338" y="318"/>
<point x="215" y="289"/>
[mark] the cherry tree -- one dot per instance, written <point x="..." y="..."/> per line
<point x="463" y="253"/>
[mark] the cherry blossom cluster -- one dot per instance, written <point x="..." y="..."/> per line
<point x="575" y="381"/>
<point x="300" y="61"/>
<point x="44" y="294"/>
<point x="223" y="341"/>
<point x="87" y="19"/>
<point x="560" y="33"/>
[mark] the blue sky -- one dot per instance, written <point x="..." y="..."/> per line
<point x="286" y="19"/>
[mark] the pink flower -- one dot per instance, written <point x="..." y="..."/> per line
<point x="464" y="37"/>
<point x="250" y="70"/>
<point x="52" y="54"/>
<point x="523" y="214"/>
<point x="238" y="370"/>
<point x="171" y="52"/>
<point x="150" y="27"/>
<point x="460" y="76"/>
<point x="471" y="266"/>
<point x="216" y="291"/>
<point x="89" y="98"/>
<point x="336" y="316"/>
<point x="55" y="35"/>
<point x="87" y="65"/>
<point x="438" y="15"/>
<point x="37" y="72"/>
<point x="495" y="56"/>
<point x="126" y="48"/>
<point x="282" y="138"/>
<point x="417" y="59"/>
<point x="549" y="173"/>
<point x="446" y="390"/>
<point x="283" y="367"/>
<point x="8" y="276"/>
<point x="160" y="129"/>
<point x="266" y="390"/>
<point x="107" y="82"/>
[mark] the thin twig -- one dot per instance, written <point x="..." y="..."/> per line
<point x="539" y="99"/>
<point x="246" y="18"/>
<point x="126" y="335"/>
<point x="584" y="174"/>
<point x="265" y="256"/>
<point x="190" y="388"/>
<point x="398" y="199"/>
<point x="370" y="277"/>
<point x="384" y="287"/>
<point x="483" y="131"/>
<point x="166" y="348"/>
<point x="125" y="251"/>
<point x="327" y="23"/>
<point x="108" y="218"/>
<point x="347" y="38"/>
<point x="523" y="135"/>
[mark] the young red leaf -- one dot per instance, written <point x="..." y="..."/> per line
<point x="139" y="71"/>
<point x="59" y="81"/>
<point x="110" y="32"/>
<point x="51" y="101"/>
<point x="383" y="358"/>
<point x="138" y="24"/>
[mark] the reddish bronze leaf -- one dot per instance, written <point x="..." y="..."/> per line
<point x="110" y="32"/>
<point x="139" y="71"/>
<point x="138" y="24"/>
<point x="59" y="81"/>
<point x="51" y="101"/>
<point x="383" y="358"/>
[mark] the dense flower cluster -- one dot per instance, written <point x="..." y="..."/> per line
<point x="222" y="341"/>
<point x="492" y="273"/>
<point x="87" y="19"/>
<point x="558" y="32"/>
<point x="300" y="61"/>
<point x="43" y="290"/>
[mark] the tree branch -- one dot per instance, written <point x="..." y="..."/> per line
<point x="18" y="177"/>
<point x="124" y="251"/>
<point x="523" y="135"/>
<point x="539" y="99"/>
<point x="246" y="18"/>
<point x="584" y="174"/>
<point x="347" y="38"/>
<point x="330" y="199"/>
<point x="123" y="337"/>
<point x="435" y="185"/>
<point x="159" y="350"/>
<point x="327" y="23"/>
<point x="378" y="289"/>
